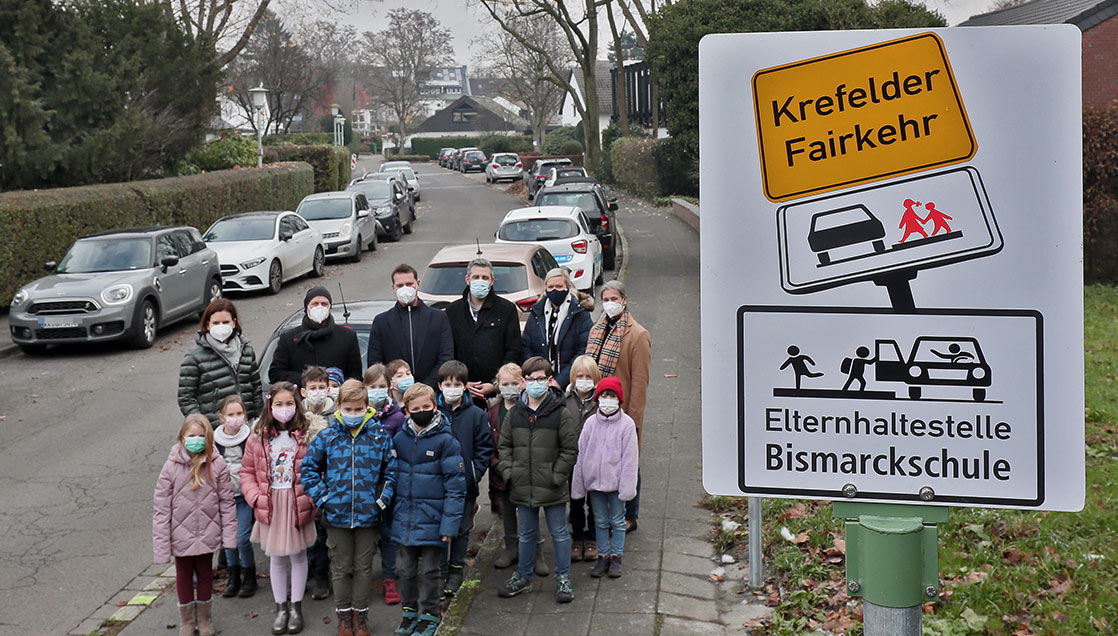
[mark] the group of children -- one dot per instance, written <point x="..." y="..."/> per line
<point x="338" y="470"/>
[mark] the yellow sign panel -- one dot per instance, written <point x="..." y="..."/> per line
<point x="858" y="116"/>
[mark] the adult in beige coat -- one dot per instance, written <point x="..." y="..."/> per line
<point x="623" y="348"/>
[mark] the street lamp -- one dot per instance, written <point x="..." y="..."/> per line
<point x="259" y="104"/>
<point x="339" y="125"/>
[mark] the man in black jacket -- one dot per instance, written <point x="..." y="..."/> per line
<point x="411" y="331"/>
<point x="486" y="329"/>
<point x="317" y="341"/>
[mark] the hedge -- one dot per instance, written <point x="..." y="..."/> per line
<point x="431" y="146"/>
<point x="47" y="222"/>
<point x="330" y="163"/>
<point x="1100" y="194"/>
<point x="634" y="165"/>
<point x="395" y="157"/>
<point x="299" y="139"/>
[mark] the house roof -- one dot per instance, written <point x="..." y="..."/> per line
<point x="1082" y="13"/>
<point x="601" y="81"/>
<point x="488" y="116"/>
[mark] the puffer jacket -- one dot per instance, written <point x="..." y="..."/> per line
<point x="430" y="485"/>
<point x="256" y="482"/>
<point x="470" y="428"/>
<point x="493" y="414"/>
<point x="579" y="408"/>
<point x="572" y="336"/>
<point x="343" y="474"/>
<point x="205" y="379"/>
<point x="391" y="417"/>
<point x="232" y="449"/>
<point x="538" y="450"/>
<point x="607" y="457"/>
<point x="191" y="522"/>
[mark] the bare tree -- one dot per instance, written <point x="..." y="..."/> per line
<point x="399" y="59"/>
<point x="622" y="84"/>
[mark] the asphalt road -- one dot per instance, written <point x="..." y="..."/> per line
<point x="85" y="430"/>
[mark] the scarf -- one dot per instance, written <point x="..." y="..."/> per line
<point x="605" y="343"/>
<point x="230" y="351"/>
<point x="309" y="331"/>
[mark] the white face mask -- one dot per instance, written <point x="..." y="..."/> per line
<point x="584" y="385"/>
<point x="612" y="309"/>
<point x="318" y="313"/>
<point x="510" y="393"/>
<point x="406" y="295"/>
<point x="453" y="393"/>
<point x="316" y="396"/>
<point x="221" y="332"/>
<point x="608" y="406"/>
<point x="333" y="392"/>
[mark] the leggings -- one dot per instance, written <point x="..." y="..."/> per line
<point x="188" y="568"/>
<point x="279" y="566"/>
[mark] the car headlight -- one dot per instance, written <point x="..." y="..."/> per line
<point x="253" y="263"/>
<point x="117" y="294"/>
<point x="346" y="230"/>
<point x="385" y="211"/>
<point x="20" y="297"/>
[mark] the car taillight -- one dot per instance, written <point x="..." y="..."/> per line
<point x="541" y="178"/>
<point x="526" y="304"/>
<point x="605" y="221"/>
<point x="579" y="246"/>
<point x="496" y="166"/>
<point x="519" y="165"/>
<point x="578" y="273"/>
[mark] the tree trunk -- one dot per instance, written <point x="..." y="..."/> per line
<point x="591" y="134"/>
<point x="622" y="86"/>
<point x="655" y="98"/>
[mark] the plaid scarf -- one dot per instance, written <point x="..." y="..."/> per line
<point x="606" y="348"/>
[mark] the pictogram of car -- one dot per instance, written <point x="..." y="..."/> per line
<point x="844" y="227"/>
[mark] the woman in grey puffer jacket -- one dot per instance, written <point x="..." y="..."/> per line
<point x="220" y="364"/>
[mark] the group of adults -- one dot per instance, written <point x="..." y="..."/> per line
<point x="480" y="329"/>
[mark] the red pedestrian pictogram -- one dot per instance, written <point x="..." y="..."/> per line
<point x="939" y="218"/>
<point x="911" y="221"/>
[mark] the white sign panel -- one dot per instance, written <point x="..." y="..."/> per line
<point x="892" y="266"/>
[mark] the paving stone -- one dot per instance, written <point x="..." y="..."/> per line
<point x="687" y="607"/>
<point x="688" y="545"/>
<point x="676" y="627"/>
<point x="583" y="603"/>
<point x="112" y="605"/>
<point x="695" y="528"/>
<point x="159" y="583"/>
<point x="128" y="613"/>
<point x="566" y="624"/>
<point x="141" y="583"/>
<point x="156" y="569"/>
<point x="688" y="564"/>
<point x="642" y="559"/>
<point x="750" y="609"/>
<point x="633" y="624"/>
<point x="614" y="599"/>
<point x="490" y="622"/>
<point x="688" y="585"/>
<point x="86" y="627"/>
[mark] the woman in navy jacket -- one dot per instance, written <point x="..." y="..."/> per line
<point x="558" y="326"/>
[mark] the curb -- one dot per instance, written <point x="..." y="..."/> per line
<point x="459" y="608"/>
<point x="125" y="606"/>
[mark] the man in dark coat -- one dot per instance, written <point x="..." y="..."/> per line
<point x="411" y="331"/>
<point x="486" y="330"/>
<point x="317" y="341"/>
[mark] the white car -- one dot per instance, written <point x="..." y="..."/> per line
<point x="262" y="250"/>
<point x="345" y="220"/>
<point x="565" y="232"/>
<point x="564" y="172"/>
<point x="388" y="165"/>
<point x="409" y="175"/>
<point x="504" y="165"/>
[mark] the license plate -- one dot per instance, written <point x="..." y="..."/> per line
<point x="59" y="323"/>
<point x="947" y="374"/>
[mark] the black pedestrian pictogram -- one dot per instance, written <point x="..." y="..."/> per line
<point x="799" y="364"/>
<point x="855" y="368"/>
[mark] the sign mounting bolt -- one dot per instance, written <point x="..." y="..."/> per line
<point x="930" y="591"/>
<point x="853" y="587"/>
<point x="927" y="494"/>
<point x="849" y="490"/>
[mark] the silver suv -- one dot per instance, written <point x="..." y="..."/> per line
<point x="119" y="284"/>
<point x="345" y="220"/>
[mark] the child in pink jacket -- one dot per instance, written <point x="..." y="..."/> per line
<point x="194" y="517"/>
<point x="606" y="472"/>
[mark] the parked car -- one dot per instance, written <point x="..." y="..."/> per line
<point x="410" y="176"/>
<point x="263" y="250"/>
<point x="842" y="228"/>
<point x="565" y="232"/>
<point x="457" y="165"/>
<point x="473" y="160"/>
<point x="504" y="165"/>
<point x="598" y="203"/>
<point x="345" y="220"/>
<point x="539" y="172"/>
<point x="566" y="174"/>
<point x="390" y="165"/>
<point x="391" y="206"/>
<point x="119" y="284"/>
<point x="391" y="175"/>
<point x="518" y="271"/>
<point x="444" y="154"/>
<point x="452" y="158"/>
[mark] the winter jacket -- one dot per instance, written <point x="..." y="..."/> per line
<point x="391" y="417"/>
<point x="326" y="345"/>
<point x="343" y="474"/>
<point x="493" y="414"/>
<point x="634" y="369"/>
<point x="607" y="457"/>
<point x="191" y="522"/>
<point x="205" y="379"/>
<point x="538" y="450"/>
<point x="430" y="485"/>
<point x="470" y="428"/>
<point x="256" y="480"/>
<point x="579" y="408"/>
<point x="490" y="341"/>
<point x="316" y="424"/>
<point x="416" y="334"/>
<point x="232" y="449"/>
<point x="573" y="334"/>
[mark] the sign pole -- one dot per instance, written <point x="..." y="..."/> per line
<point x="756" y="558"/>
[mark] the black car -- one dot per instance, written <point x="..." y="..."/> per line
<point x="538" y="174"/>
<point x="444" y="154"/>
<point x="472" y="160"/>
<point x="599" y="205"/>
<point x="390" y="203"/>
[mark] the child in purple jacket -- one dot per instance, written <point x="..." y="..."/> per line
<point x="606" y="472"/>
<point x="391" y="418"/>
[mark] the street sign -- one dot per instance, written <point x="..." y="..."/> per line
<point x="353" y="162"/>
<point x="893" y="311"/>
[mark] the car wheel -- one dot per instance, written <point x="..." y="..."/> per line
<point x="914" y="392"/>
<point x="399" y="233"/>
<point x="373" y="243"/>
<point x="145" y="326"/>
<point x="356" y="258"/>
<point x="33" y="349"/>
<point x="318" y="265"/>
<point x="487" y="179"/>
<point x="275" y="278"/>
<point x="407" y="229"/>
<point x="213" y="292"/>
<point x="609" y="259"/>
<point x="979" y="395"/>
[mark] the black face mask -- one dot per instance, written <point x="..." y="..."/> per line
<point x="423" y="419"/>
<point x="557" y="296"/>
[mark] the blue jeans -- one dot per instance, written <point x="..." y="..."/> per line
<point x="633" y="506"/>
<point x="609" y="514"/>
<point x="529" y="521"/>
<point x="387" y="545"/>
<point x="243" y="555"/>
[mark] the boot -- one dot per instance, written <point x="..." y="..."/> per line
<point x="576" y="550"/>
<point x="391" y="594"/>
<point x="360" y="624"/>
<point x="320" y="585"/>
<point x="205" y="620"/>
<point x="508" y="555"/>
<point x="279" y="625"/>
<point x="345" y="622"/>
<point x="248" y="582"/>
<point x="233" y="585"/>
<point x="453" y="580"/>
<point x="295" y="617"/>
<point x="186" y="619"/>
<point x="542" y="568"/>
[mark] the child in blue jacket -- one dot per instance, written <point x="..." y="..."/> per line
<point x="349" y="472"/>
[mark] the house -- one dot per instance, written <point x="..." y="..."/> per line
<point x="472" y="116"/>
<point x="568" y="114"/>
<point x="1097" y="19"/>
<point x="638" y="95"/>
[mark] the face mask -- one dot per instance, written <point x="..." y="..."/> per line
<point x="510" y="393"/>
<point x="353" y="421"/>
<point x="453" y="394"/>
<point x="584" y="385"/>
<point x="316" y="397"/>
<point x="403" y="384"/>
<point x="333" y="392"/>
<point x="422" y="419"/>
<point x="378" y="396"/>
<point x="612" y="309"/>
<point x="221" y="332"/>
<point x="406" y="295"/>
<point x="318" y="313"/>
<point x="283" y="414"/>
<point x="557" y="296"/>
<point x="234" y="423"/>
<point x="195" y="444"/>
<point x="479" y="288"/>
<point x="537" y="388"/>
<point x="608" y="406"/>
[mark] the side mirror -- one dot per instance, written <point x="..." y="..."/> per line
<point x="363" y="214"/>
<point x="613" y="206"/>
<point x="286" y="236"/>
<point x="399" y="196"/>
<point x="50" y="266"/>
<point x="169" y="261"/>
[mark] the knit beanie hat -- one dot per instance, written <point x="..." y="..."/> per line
<point x="335" y="374"/>
<point x="610" y="383"/>
<point x="315" y="292"/>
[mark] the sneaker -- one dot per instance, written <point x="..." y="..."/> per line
<point x="320" y="585"/>
<point x="614" y="566"/>
<point x="407" y="626"/>
<point x="600" y="567"/>
<point x="391" y="594"/>
<point x="427" y="625"/>
<point x="515" y="585"/>
<point x="576" y="550"/>
<point x="453" y="580"/>
<point x="563" y="591"/>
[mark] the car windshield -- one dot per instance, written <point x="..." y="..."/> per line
<point x="451" y="279"/>
<point x="373" y="190"/>
<point x="538" y="230"/>
<point x="244" y="229"/>
<point x="839" y="218"/>
<point x="946" y="351"/>
<point x="322" y="209"/>
<point x="408" y="173"/>
<point x="583" y="200"/>
<point x="506" y="160"/>
<point x="106" y="255"/>
<point x="385" y="167"/>
<point x="570" y="172"/>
